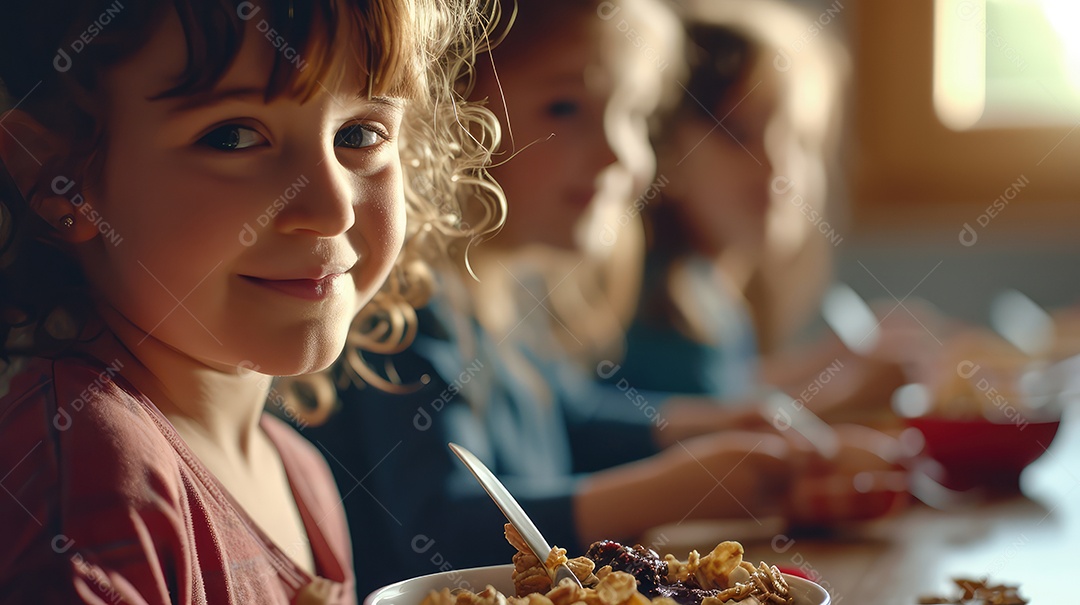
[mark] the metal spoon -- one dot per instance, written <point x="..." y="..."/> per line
<point x="513" y="511"/>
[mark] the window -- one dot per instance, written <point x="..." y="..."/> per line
<point x="1006" y="63"/>
<point x="938" y="141"/>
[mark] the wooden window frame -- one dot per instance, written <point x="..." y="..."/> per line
<point x="908" y="171"/>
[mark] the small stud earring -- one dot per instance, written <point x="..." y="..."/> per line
<point x="67" y="221"/>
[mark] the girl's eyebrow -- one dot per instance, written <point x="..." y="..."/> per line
<point x="258" y="95"/>
<point x="393" y="102"/>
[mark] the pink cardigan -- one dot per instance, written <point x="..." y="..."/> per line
<point x="102" y="502"/>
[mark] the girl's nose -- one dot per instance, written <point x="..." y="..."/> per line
<point x="321" y="201"/>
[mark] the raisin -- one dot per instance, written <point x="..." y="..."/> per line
<point x="648" y="569"/>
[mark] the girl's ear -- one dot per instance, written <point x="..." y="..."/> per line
<point x="27" y="148"/>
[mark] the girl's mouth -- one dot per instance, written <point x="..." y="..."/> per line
<point x="307" y="289"/>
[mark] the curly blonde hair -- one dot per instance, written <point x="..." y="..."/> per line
<point x="452" y="203"/>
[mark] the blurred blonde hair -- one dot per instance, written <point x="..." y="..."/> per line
<point x="591" y="293"/>
<point x="812" y="67"/>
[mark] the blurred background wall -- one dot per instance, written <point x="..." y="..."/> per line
<point x="963" y="160"/>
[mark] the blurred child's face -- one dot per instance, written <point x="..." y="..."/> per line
<point x="252" y="232"/>
<point x="722" y="173"/>
<point x="585" y="87"/>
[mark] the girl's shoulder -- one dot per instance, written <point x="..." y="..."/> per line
<point x="90" y="479"/>
<point x="73" y="392"/>
<point x="74" y="417"/>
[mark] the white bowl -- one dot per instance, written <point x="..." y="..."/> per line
<point x="413" y="590"/>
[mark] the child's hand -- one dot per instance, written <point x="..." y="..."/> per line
<point x="907" y="335"/>
<point x="690" y="416"/>
<point x="863" y="481"/>
<point x="717" y="476"/>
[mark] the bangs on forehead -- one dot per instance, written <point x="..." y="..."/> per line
<point x="318" y="44"/>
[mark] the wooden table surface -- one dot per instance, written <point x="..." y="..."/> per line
<point x="1031" y="540"/>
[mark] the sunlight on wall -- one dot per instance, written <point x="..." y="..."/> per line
<point x="1006" y="63"/>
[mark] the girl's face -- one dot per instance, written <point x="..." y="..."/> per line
<point x="722" y="172"/>
<point x="243" y="232"/>
<point x="577" y="100"/>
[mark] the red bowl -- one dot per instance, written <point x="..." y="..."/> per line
<point x="980" y="453"/>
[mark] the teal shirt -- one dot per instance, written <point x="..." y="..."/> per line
<point x="664" y="359"/>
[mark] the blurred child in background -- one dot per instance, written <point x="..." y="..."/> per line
<point x="736" y="258"/>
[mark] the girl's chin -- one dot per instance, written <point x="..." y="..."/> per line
<point x="292" y="368"/>
<point x="314" y="355"/>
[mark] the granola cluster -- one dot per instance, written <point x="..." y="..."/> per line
<point x="613" y="574"/>
<point x="979" y="592"/>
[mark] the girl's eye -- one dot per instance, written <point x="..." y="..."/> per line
<point x="232" y="137"/>
<point x="563" y="109"/>
<point x="357" y="136"/>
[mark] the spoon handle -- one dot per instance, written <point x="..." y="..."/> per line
<point x="513" y="511"/>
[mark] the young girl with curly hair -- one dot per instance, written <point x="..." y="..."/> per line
<point x="197" y="197"/>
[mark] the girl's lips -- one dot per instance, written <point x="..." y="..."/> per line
<point x="307" y="289"/>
